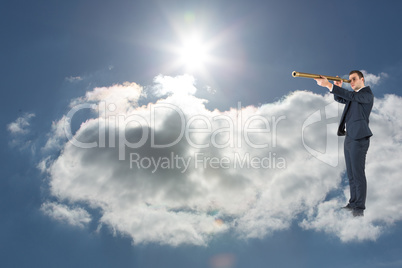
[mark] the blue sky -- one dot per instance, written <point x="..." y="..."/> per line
<point x="67" y="206"/>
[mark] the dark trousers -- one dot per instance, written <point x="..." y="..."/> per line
<point x="355" y="158"/>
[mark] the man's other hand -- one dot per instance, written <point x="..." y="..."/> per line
<point x="338" y="83"/>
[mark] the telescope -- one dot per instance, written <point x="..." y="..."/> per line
<point x="307" y="75"/>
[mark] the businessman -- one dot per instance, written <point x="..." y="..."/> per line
<point x="355" y="126"/>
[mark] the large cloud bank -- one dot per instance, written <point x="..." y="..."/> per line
<point x="173" y="172"/>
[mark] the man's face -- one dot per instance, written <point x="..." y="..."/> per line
<point x="355" y="82"/>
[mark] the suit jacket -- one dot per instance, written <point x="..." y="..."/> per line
<point x="356" y="113"/>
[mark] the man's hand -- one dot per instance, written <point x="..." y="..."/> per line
<point x="338" y="83"/>
<point x="323" y="82"/>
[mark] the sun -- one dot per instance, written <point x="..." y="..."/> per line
<point x="193" y="53"/>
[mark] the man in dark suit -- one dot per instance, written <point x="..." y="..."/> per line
<point x="355" y="125"/>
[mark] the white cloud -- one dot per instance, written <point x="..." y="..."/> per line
<point x="20" y="133"/>
<point x="73" y="216"/>
<point x="57" y="136"/>
<point x="372" y="79"/>
<point x="178" y="85"/>
<point x="72" y="79"/>
<point x="216" y="176"/>
<point x="21" y="125"/>
<point x="326" y="217"/>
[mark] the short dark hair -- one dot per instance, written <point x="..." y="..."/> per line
<point x="360" y="74"/>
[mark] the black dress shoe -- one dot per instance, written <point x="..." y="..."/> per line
<point x="348" y="207"/>
<point x="357" y="213"/>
